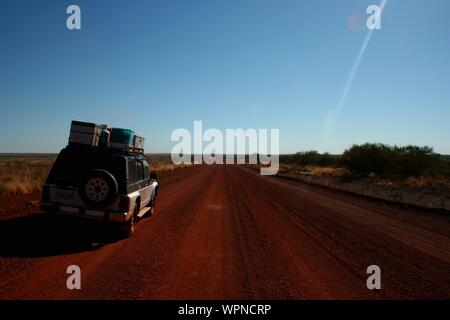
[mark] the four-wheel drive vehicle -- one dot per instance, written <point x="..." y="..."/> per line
<point x="110" y="184"/>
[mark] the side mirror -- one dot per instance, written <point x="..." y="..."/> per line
<point x="153" y="175"/>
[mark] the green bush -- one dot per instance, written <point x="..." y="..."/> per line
<point x="383" y="159"/>
<point x="309" y="158"/>
<point x="414" y="161"/>
<point x="367" y="158"/>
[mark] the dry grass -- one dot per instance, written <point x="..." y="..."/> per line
<point x="25" y="174"/>
<point x="327" y="171"/>
<point x="314" y="170"/>
<point x="422" y="182"/>
<point x="161" y="167"/>
<point x="163" y="162"/>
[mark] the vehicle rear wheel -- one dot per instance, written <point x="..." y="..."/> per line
<point x="151" y="205"/>
<point x="128" y="229"/>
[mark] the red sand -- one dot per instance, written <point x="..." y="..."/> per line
<point x="225" y="232"/>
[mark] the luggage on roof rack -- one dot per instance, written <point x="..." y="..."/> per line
<point x="85" y="133"/>
<point x="121" y="137"/>
<point x="139" y="142"/>
<point x="100" y="138"/>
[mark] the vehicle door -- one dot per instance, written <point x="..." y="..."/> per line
<point x="142" y="168"/>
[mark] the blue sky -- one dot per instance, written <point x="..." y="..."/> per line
<point x="154" y="66"/>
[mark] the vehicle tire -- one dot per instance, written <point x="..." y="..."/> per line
<point x="128" y="228"/>
<point x="151" y="205"/>
<point x="98" y="189"/>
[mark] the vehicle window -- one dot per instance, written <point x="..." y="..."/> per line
<point x="140" y="170"/>
<point x="146" y="170"/>
<point x="132" y="171"/>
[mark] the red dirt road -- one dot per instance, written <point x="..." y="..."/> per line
<point x="225" y="232"/>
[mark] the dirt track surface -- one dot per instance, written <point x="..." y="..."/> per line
<point x="225" y="232"/>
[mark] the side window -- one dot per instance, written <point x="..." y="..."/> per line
<point x="140" y="170"/>
<point x="132" y="171"/>
<point x="146" y="170"/>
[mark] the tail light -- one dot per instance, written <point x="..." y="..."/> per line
<point x="124" y="204"/>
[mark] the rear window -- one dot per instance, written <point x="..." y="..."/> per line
<point x="72" y="166"/>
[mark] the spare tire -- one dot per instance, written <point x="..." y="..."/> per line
<point x="98" y="189"/>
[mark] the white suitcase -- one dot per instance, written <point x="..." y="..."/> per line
<point x="139" y="142"/>
<point x="85" y="133"/>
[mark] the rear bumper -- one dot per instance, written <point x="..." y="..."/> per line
<point x="119" y="216"/>
<point x="85" y="213"/>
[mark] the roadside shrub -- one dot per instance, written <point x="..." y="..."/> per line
<point x="309" y="158"/>
<point x="382" y="159"/>
<point x="367" y="158"/>
<point x="442" y="166"/>
<point x="413" y="160"/>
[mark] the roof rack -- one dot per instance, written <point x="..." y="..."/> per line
<point x="131" y="151"/>
<point x="128" y="151"/>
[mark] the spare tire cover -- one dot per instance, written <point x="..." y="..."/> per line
<point x="98" y="189"/>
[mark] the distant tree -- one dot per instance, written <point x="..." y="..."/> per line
<point x="313" y="157"/>
<point x="383" y="159"/>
